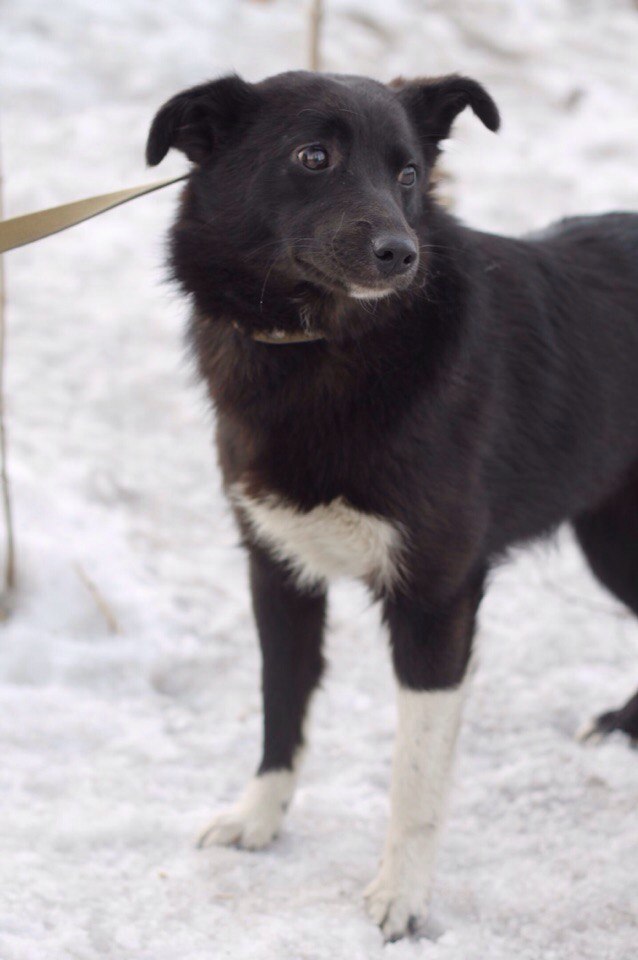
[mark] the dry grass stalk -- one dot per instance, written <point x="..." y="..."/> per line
<point x="100" y="600"/>
<point x="316" y="22"/>
<point x="5" y="492"/>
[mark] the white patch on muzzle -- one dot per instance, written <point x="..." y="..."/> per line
<point x="368" y="293"/>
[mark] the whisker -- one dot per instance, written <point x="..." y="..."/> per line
<point x="263" y="288"/>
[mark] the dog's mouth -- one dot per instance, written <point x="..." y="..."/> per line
<point x="337" y="282"/>
<point x="316" y="275"/>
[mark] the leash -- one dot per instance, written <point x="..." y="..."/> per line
<point x="18" y="231"/>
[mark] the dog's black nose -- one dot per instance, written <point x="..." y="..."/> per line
<point x="395" y="255"/>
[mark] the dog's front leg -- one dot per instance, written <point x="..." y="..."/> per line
<point x="431" y="649"/>
<point x="290" y="623"/>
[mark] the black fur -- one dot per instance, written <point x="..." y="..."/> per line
<point x="491" y="397"/>
<point x="290" y="626"/>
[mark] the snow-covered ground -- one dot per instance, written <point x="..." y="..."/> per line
<point x="117" y="747"/>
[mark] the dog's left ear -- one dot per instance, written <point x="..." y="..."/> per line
<point x="433" y="104"/>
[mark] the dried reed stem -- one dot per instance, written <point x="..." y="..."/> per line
<point x="5" y="489"/>
<point x="316" y="22"/>
<point x="100" y="600"/>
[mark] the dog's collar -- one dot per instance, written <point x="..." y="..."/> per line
<point x="282" y="336"/>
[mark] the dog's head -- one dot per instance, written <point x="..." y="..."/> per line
<point x="314" y="182"/>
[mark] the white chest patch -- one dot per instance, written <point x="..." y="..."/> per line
<point x="330" y="541"/>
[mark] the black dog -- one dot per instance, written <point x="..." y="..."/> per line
<point x="399" y="399"/>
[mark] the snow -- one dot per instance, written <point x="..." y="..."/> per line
<point x="118" y="747"/>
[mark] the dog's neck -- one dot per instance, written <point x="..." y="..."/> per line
<point x="285" y="315"/>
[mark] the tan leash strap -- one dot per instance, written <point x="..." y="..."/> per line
<point x="19" y="231"/>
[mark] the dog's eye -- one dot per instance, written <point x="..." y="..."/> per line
<point x="407" y="177"/>
<point x="313" y="157"/>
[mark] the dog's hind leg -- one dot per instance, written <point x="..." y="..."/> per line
<point x="609" y="538"/>
<point x="431" y="649"/>
<point x="625" y="719"/>
<point x="290" y="623"/>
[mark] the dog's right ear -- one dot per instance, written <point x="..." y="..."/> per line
<point x="198" y="120"/>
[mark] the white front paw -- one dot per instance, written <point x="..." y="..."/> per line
<point x="242" y="827"/>
<point x="396" y="904"/>
<point x="256" y="818"/>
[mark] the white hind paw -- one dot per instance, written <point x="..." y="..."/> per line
<point x="589" y="733"/>
<point x="598" y="729"/>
